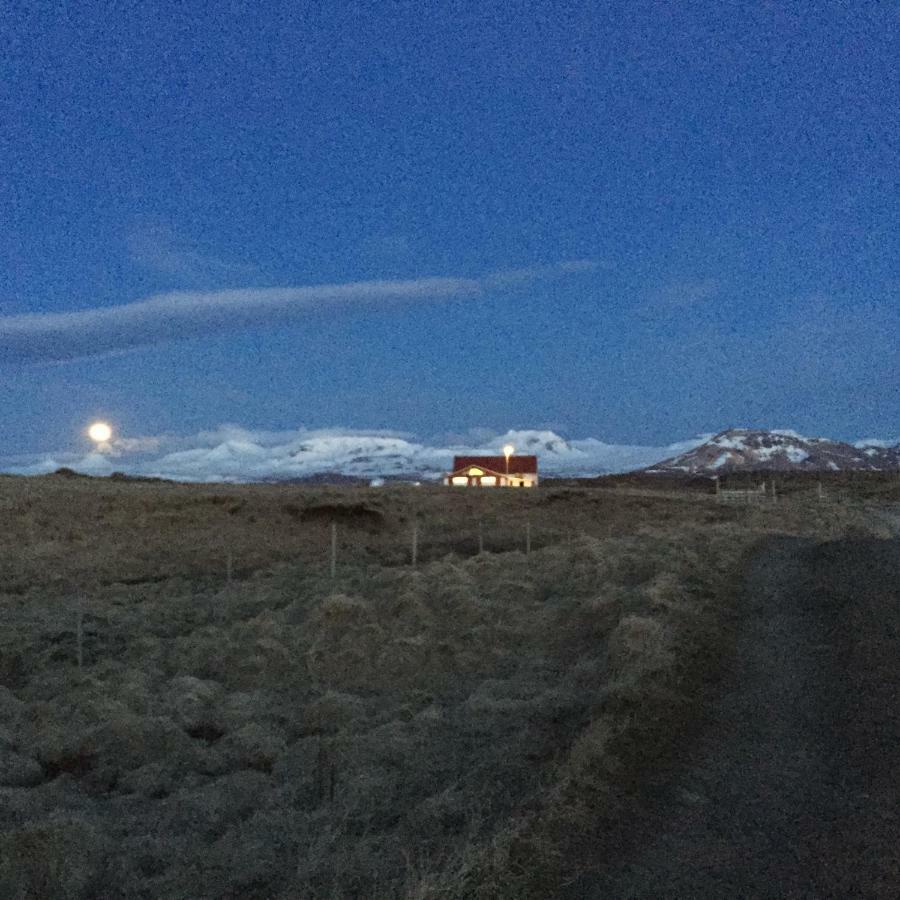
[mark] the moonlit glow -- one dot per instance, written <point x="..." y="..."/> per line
<point x="100" y="432"/>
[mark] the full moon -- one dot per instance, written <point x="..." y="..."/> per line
<point x="100" y="432"/>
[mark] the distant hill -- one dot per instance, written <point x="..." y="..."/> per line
<point x="334" y="479"/>
<point x="342" y="457"/>
<point x="744" y="450"/>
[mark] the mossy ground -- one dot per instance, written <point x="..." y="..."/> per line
<point x="456" y="728"/>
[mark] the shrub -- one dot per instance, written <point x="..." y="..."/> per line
<point x="62" y="860"/>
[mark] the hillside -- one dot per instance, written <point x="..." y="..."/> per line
<point x="741" y="449"/>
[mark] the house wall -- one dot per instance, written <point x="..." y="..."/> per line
<point x="515" y="479"/>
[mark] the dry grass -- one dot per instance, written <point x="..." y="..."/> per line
<point x="457" y="729"/>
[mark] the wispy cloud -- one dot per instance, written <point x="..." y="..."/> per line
<point x="167" y="317"/>
<point x="388" y="247"/>
<point x="512" y="278"/>
<point x="682" y="293"/>
<point x="158" y="249"/>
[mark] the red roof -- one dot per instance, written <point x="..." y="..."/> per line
<point x="517" y="464"/>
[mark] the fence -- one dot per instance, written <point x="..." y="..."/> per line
<point x="343" y="555"/>
<point x="742" y="496"/>
<point x="751" y="495"/>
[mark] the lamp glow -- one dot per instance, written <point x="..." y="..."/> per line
<point x="508" y="452"/>
<point x="100" y="432"/>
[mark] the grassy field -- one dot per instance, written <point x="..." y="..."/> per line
<point x="193" y="705"/>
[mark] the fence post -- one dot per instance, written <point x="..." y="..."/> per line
<point x="79" y="630"/>
<point x="326" y="770"/>
<point x="321" y="766"/>
<point x="333" y="550"/>
<point x="821" y="490"/>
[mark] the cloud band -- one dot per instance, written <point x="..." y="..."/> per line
<point x="169" y="317"/>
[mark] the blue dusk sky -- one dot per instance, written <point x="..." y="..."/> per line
<point x="630" y="221"/>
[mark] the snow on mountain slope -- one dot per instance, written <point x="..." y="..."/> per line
<point x="233" y="454"/>
<point x="384" y="457"/>
<point x="877" y="443"/>
<point x="740" y="449"/>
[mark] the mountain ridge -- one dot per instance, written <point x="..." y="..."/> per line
<point x="237" y="455"/>
<point x="779" y="450"/>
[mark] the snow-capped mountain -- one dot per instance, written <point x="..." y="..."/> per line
<point x="233" y="454"/>
<point x="741" y="449"/>
<point x="378" y="456"/>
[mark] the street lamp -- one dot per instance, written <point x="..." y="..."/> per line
<point x="508" y="452"/>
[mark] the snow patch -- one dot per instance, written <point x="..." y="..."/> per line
<point x="731" y="443"/>
<point x="788" y="432"/>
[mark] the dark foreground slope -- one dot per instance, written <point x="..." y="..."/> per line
<point x="202" y="696"/>
<point x="794" y="790"/>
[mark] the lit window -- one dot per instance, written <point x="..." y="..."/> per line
<point x="459" y="480"/>
<point x="475" y="472"/>
<point x="488" y="481"/>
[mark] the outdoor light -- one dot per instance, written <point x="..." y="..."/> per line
<point x="508" y="452"/>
